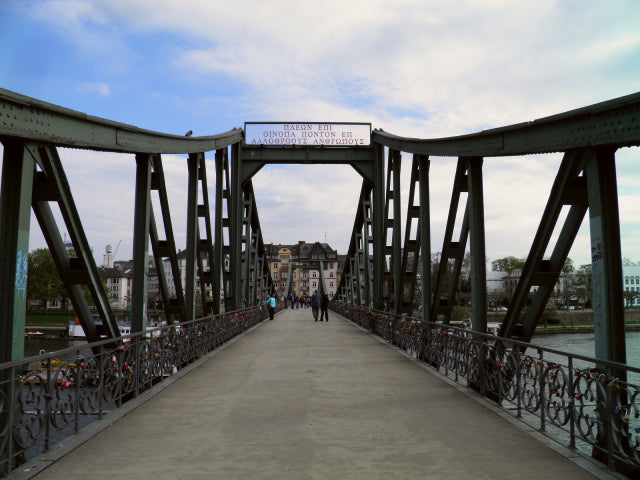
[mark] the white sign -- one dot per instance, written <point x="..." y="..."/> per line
<point x="310" y="134"/>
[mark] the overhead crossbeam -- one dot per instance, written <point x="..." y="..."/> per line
<point x="611" y="123"/>
<point x="40" y="121"/>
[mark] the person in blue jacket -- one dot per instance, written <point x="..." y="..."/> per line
<point x="271" y="304"/>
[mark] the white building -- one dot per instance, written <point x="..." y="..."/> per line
<point x="631" y="282"/>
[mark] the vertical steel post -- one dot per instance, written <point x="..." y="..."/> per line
<point x="217" y="264"/>
<point x="378" y="227"/>
<point x="235" y="227"/>
<point x="396" y="257"/>
<point x="18" y="169"/>
<point x="425" y="235"/>
<point x="608" y="303"/>
<point x="192" y="236"/>
<point x="477" y="247"/>
<point x="141" y="243"/>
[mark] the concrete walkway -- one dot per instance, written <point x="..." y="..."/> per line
<point x="296" y="399"/>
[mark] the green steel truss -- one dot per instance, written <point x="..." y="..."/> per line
<point x="381" y="271"/>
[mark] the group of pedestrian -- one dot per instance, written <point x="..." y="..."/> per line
<point x="297" y="301"/>
<point x="320" y="305"/>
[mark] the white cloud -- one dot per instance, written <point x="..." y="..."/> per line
<point x="101" y="89"/>
<point x="414" y="68"/>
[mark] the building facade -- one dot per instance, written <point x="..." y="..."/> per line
<point x="300" y="269"/>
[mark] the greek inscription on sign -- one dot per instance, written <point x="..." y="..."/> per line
<point x="308" y="134"/>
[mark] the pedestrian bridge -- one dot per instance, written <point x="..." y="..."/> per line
<point x="592" y="402"/>
<point x="294" y="398"/>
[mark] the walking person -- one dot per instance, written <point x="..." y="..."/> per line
<point x="316" y="300"/>
<point x="324" y="305"/>
<point x="271" y="305"/>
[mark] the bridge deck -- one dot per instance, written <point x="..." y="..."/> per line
<point x="295" y="399"/>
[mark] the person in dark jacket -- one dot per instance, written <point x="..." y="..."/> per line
<point x="324" y="305"/>
<point x="316" y="300"/>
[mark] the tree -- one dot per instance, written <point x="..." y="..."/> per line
<point x="43" y="281"/>
<point x="507" y="264"/>
<point x="629" y="297"/>
<point x="568" y="266"/>
<point x="583" y="281"/>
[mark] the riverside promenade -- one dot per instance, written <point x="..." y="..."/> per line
<point x="296" y="399"/>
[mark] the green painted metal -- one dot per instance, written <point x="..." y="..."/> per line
<point x="217" y="263"/>
<point x="40" y="121"/>
<point x="568" y="190"/>
<point x="425" y="235"/>
<point x="608" y="306"/>
<point x="610" y="123"/>
<point x="192" y="236"/>
<point x="452" y="250"/>
<point x="205" y="245"/>
<point x="411" y="250"/>
<point x="477" y="246"/>
<point x="355" y="285"/>
<point x="77" y="269"/>
<point x="18" y="168"/>
<point x="165" y="248"/>
<point x="395" y="160"/>
<point x="367" y="244"/>
<point x="379" y="228"/>
<point x="235" y="227"/>
<point x="247" y="236"/>
<point x="141" y="234"/>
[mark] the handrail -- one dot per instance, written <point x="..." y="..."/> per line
<point x="27" y="118"/>
<point x="613" y="123"/>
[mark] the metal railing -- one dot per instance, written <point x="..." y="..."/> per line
<point x="45" y="399"/>
<point x="566" y="396"/>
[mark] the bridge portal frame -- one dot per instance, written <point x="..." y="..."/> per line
<point x="366" y="161"/>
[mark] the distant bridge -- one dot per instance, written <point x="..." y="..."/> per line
<point x="381" y="272"/>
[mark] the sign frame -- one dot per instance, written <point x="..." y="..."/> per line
<point x="307" y="134"/>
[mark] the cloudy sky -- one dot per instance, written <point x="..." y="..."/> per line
<point x="419" y="68"/>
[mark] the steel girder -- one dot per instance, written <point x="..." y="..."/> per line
<point x="613" y="123"/>
<point x="392" y="254"/>
<point x="256" y="269"/>
<point x="205" y="245"/>
<point x="585" y="180"/>
<point x="451" y="250"/>
<point x="151" y="178"/>
<point x="468" y="178"/>
<point x="569" y="189"/>
<point x="51" y="185"/>
<point x="42" y="122"/>
<point x="417" y="243"/>
<point x="18" y="171"/>
<point x="222" y="250"/>
<point x="355" y="286"/>
<point x="249" y="278"/>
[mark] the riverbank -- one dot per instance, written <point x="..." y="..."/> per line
<point x="553" y="329"/>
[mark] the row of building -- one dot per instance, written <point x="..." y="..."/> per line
<point x="301" y="269"/>
<point x="304" y="268"/>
